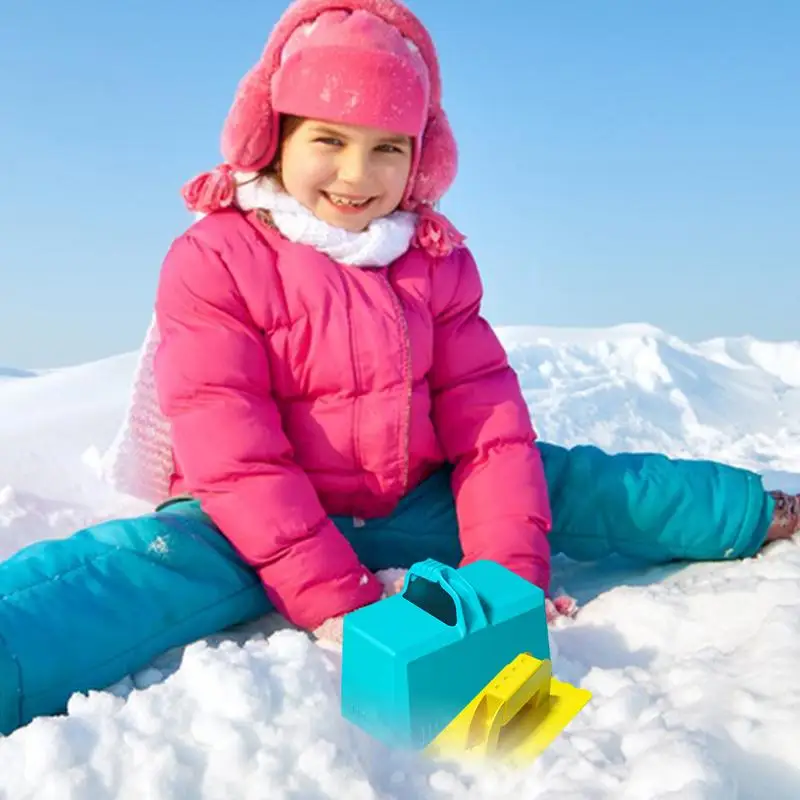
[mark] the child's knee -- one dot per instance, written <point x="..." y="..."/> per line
<point x="163" y="536"/>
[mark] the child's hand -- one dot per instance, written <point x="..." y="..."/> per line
<point x="392" y="580"/>
<point x="331" y="631"/>
<point x="561" y="606"/>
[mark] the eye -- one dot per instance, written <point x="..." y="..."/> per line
<point x="390" y="148"/>
<point x="331" y="141"/>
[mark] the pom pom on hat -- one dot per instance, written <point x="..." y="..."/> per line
<point x="435" y="234"/>
<point x="210" y="191"/>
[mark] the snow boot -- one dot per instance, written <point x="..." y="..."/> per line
<point x="786" y="516"/>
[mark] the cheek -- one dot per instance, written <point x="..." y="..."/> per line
<point x="396" y="178"/>
<point x="304" y="174"/>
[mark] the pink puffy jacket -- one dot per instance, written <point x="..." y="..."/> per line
<point x="298" y="388"/>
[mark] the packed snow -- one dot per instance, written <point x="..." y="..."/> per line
<point x="694" y="670"/>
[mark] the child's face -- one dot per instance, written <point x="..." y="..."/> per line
<point x="346" y="175"/>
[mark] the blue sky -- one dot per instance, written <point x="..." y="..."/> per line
<point x="621" y="160"/>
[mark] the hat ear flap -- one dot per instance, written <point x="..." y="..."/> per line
<point x="438" y="161"/>
<point x="250" y="133"/>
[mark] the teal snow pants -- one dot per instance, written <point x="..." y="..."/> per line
<point x="83" y="612"/>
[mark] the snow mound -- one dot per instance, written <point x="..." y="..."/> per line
<point x="635" y="387"/>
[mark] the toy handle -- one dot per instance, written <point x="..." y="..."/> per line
<point x="524" y="683"/>
<point x="470" y="615"/>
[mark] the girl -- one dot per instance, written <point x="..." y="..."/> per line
<point x="319" y="398"/>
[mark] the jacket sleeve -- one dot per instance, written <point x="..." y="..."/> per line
<point x="485" y="429"/>
<point x="213" y="383"/>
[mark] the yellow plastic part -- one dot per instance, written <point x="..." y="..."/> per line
<point x="515" y="717"/>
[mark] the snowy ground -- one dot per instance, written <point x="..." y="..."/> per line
<point x="695" y="671"/>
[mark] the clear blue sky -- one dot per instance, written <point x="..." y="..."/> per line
<point x="621" y="160"/>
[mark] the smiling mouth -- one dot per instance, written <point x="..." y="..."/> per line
<point x="347" y="204"/>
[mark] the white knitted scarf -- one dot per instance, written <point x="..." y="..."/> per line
<point x="139" y="461"/>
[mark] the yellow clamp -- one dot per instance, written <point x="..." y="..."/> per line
<point x="515" y="717"/>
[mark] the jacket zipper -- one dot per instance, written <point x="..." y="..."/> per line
<point x="351" y="335"/>
<point x="402" y="324"/>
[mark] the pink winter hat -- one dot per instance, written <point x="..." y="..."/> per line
<point x="352" y="67"/>
<point x="359" y="62"/>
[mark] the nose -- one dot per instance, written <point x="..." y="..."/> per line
<point x="353" y="164"/>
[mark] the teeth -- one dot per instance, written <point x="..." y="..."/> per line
<point x="343" y="201"/>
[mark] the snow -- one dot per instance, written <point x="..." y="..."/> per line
<point x="637" y="387"/>
<point x="695" y="671"/>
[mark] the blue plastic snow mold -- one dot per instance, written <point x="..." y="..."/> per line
<point x="412" y="662"/>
